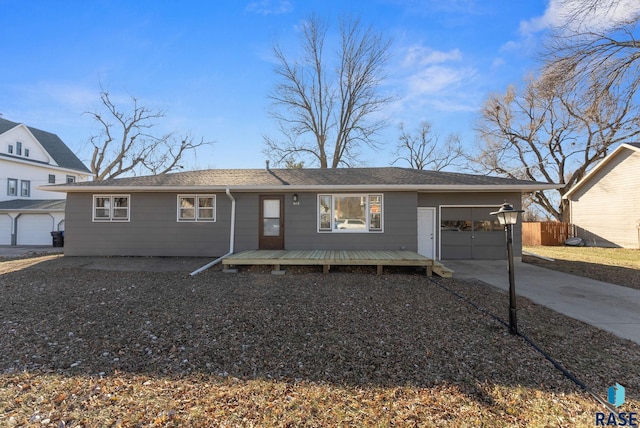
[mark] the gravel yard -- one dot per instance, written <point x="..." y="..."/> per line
<point x="91" y="345"/>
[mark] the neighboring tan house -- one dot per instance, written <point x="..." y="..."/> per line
<point x="30" y="158"/>
<point x="605" y="204"/>
<point x="440" y="215"/>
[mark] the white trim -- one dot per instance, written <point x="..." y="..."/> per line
<point x="367" y="209"/>
<point x="111" y="218"/>
<point x="196" y="208"/>
<point x="598" y="167"/>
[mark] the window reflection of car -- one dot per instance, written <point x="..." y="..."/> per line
<point x="351" y="223"/>
<point x="449" y="228"/>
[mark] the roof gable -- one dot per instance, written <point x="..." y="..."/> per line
<point x="635" y="147"/>
<point x="51" y="144"/>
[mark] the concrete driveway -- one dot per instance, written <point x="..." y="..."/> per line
<point x="609" y="307"/>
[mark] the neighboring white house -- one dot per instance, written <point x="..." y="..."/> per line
<point x="30" y="158"/>
<point x="605" y="204"/>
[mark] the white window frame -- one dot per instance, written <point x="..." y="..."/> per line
<point x="111" y="217"/>
<point x="16" y="188"/>
<point x="367" y="197"/>
<point x="71" y="179"/>
<point x="52" y="179"/>
<point x="196" y="218"/>
<point x="10" y="149"/>
<point x="18" y="148"/>
<point x="24" y="194"/>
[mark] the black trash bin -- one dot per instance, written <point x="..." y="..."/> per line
<point x="57" y="238"/>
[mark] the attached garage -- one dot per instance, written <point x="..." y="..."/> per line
<point x="35" y="229"/>
<point x="5" y="229"/>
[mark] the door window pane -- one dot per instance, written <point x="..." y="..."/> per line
<point x="271" y="227"/>
<point x="271" y="208"/>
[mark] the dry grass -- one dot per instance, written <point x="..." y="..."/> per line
<point x="615" y="265"/>
<point x="111" y="348"/>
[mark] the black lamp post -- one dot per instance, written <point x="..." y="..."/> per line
<point x="507" y="217"/>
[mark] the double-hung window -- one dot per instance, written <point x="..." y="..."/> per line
<point x="350" y="213"/>
<point x="12" y="187"/>
<point x="25" y="188"/>
<point x="196" y="208"/>
<point x="111" y="207"/>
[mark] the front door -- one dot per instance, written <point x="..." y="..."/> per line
<point x="426" y="225"/>
<point x="271" y="222"/>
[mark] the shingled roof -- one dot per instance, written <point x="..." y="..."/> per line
<point x="342" y="178"/>
<point x="33" y="205"/>
<point x="56" y="148"/>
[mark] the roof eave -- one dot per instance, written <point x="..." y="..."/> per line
<point x="321" y="188"/>
<point x="31" y="211"/>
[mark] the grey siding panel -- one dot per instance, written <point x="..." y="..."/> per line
<point x="151" y="231"/>
<point x="246" y="236"/>
<point x="399" y="217"/>
<point x="605" y="210"/>
<point x="489" y="246"/>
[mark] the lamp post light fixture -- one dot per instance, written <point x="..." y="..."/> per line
<point x="507" y="216"/>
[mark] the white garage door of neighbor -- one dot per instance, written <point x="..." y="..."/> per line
<point x="35" y="229"/>
<point x="5" y="229"/>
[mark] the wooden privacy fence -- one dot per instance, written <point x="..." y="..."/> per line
<point x="544" y="233"/>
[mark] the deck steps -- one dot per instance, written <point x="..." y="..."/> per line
<point x="441" y="270"/>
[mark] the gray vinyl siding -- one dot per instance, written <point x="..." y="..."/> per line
<point x="487" y="246"/>
<point x="399" y="218"/>
<point x="154" y="231"/>
<point x="151" y="231"/>
<point x="606" y="209"/>
<point x="247" y="213"/>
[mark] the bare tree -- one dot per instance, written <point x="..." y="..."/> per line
<point x="423" y="150"/>
<point x="552" y="134"/>
<point x="596" y="39"/>
<point x="327" y="110"/>
<point x="125" y="144"/>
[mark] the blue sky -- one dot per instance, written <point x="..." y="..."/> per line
<point x="209" y="63"/>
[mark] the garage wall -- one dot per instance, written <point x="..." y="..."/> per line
<point x="5" y="229"/>
<point x="462" y="241"/>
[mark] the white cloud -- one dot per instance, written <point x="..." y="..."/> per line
<point x="497" y="63"/>
<point x="422" y="55"/>
<point x="437" y="79"/>
<point x="270" y="7"/>
<point x="434" y="80"/>
<point x="601" y="17"/>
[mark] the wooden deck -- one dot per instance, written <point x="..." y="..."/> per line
<point x="327" y="258"/>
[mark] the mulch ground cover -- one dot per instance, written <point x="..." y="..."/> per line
<point x="88" y="348"/>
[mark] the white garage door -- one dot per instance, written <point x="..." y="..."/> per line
<point x="5" y="229"/>
<point x="35" y="229"/>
